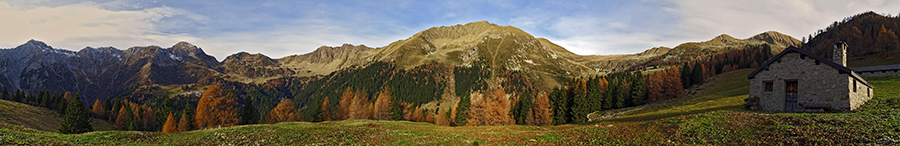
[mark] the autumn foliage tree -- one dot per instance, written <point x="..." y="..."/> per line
<point x="283" y="112"/>
<point x="185" y="123"/>
<point x="382" y="107"/>
<point x="542" y="112"/>
<point x="97" y="110"/>
<point x="216" y="109"/>
<point x="490" y="109"/>
<point x="664" y="85"/>
<point x="171" y="125"/>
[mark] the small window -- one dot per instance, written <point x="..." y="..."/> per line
<point x="854" y="85"/>
<point x="870" y="93"/>
<point x="768" y="87"/>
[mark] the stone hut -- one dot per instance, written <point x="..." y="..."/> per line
<point x="799" y="81"/>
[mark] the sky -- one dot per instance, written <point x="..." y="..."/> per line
<point x="291" y="27"/>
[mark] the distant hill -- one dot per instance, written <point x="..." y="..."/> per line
<point x="871" y="39"/>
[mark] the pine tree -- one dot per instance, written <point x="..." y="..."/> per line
<point x="18" y="96"/>
<point x="248" y="113"/>
<point x="77" y="120"/>
<point x="171" y="125"/>
<point x="685" y="76"/>
<point x="697" y="74"/>
<point x="5" y="94"/>
<point x="523" y="107"/>
<point x="559" y="106"/>
<point x="29" y="99"/>
<point x="61" y="106"/>
<point x="638" y="89"/>
<point x="462" y="110"/>
<point x="133" y="120"/>
<point x="45" y="99"/>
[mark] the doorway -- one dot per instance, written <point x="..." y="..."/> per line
<point x="790" y="96"/>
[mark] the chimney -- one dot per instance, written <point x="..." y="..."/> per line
<point x="840" y="53"/>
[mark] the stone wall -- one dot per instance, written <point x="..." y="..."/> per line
<point x="817" y="84"/>
<point x="859" y="96"/>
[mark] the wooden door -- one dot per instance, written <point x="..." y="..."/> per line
<point x="790" y="96"/>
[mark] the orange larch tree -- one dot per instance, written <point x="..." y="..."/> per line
<point x="382" y="107"/>
<point x="98" y="109"/>
<point x="542" y="112"/>
<point x="215" y="109"/>
<point x="283" y="112"/>
<point x="170" y="126"/>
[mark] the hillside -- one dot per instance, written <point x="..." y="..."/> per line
<point x="871" y="39"/>
<point x="38" y="117"/>
<point x="712" y="117"/>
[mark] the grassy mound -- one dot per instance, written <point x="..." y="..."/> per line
<point x="39" y="118"/>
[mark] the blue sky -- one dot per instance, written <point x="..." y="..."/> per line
<point x="282" y="28"/>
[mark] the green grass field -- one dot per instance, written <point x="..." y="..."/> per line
<point x="712" y="117"/>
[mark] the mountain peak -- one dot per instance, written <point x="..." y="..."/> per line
<point x="724" y="38"/>
<point x="776" y="38"/>
<point x="186" y="47"/>
<point x="35" y="44"/>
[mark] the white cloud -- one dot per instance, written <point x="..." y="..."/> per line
<point x="75" y="26"/>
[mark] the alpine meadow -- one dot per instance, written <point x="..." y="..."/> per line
<point x="468" y="82"/>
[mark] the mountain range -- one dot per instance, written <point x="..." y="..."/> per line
<point x="104" y="72"/>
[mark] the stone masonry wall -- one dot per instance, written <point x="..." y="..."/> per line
<point x="817" y="84"/>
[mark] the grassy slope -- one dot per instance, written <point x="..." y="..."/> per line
<point x="37" y="117"/>
<point x="712" y="117"/>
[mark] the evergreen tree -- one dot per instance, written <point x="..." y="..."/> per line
<point x="462" y="110"/>
<point x="135" y="122"/>
<point x="186" y="122"/>
<point x="77" y="120"/>
<point x="559" y="106"/>
<point x="248" y="113"/>
<point x="686" y="76"/>
<point x="697" y="74"/>
<point x="28" y="99"/>
<point x="523" y="107"/>
<point x="45" y="99"/>
<point x="638" y="89"/>
<point x="18" y="97"/>
<point x="580" y="105"/>
<point x="5" y="94"/>
<point x="615" y="94"/>
<point x="397" y="111"/>
<point x="61" y="106"/>
<point x="107" y="106"/>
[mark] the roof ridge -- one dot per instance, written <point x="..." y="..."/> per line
<point x="816" y="57"/>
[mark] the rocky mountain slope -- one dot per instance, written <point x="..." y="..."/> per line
<point x="104" y="72"/>
<point x="101" y="72"/>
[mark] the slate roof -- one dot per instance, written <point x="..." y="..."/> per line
<point x="877" y="68"/>
<point x="792" y="49"/>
